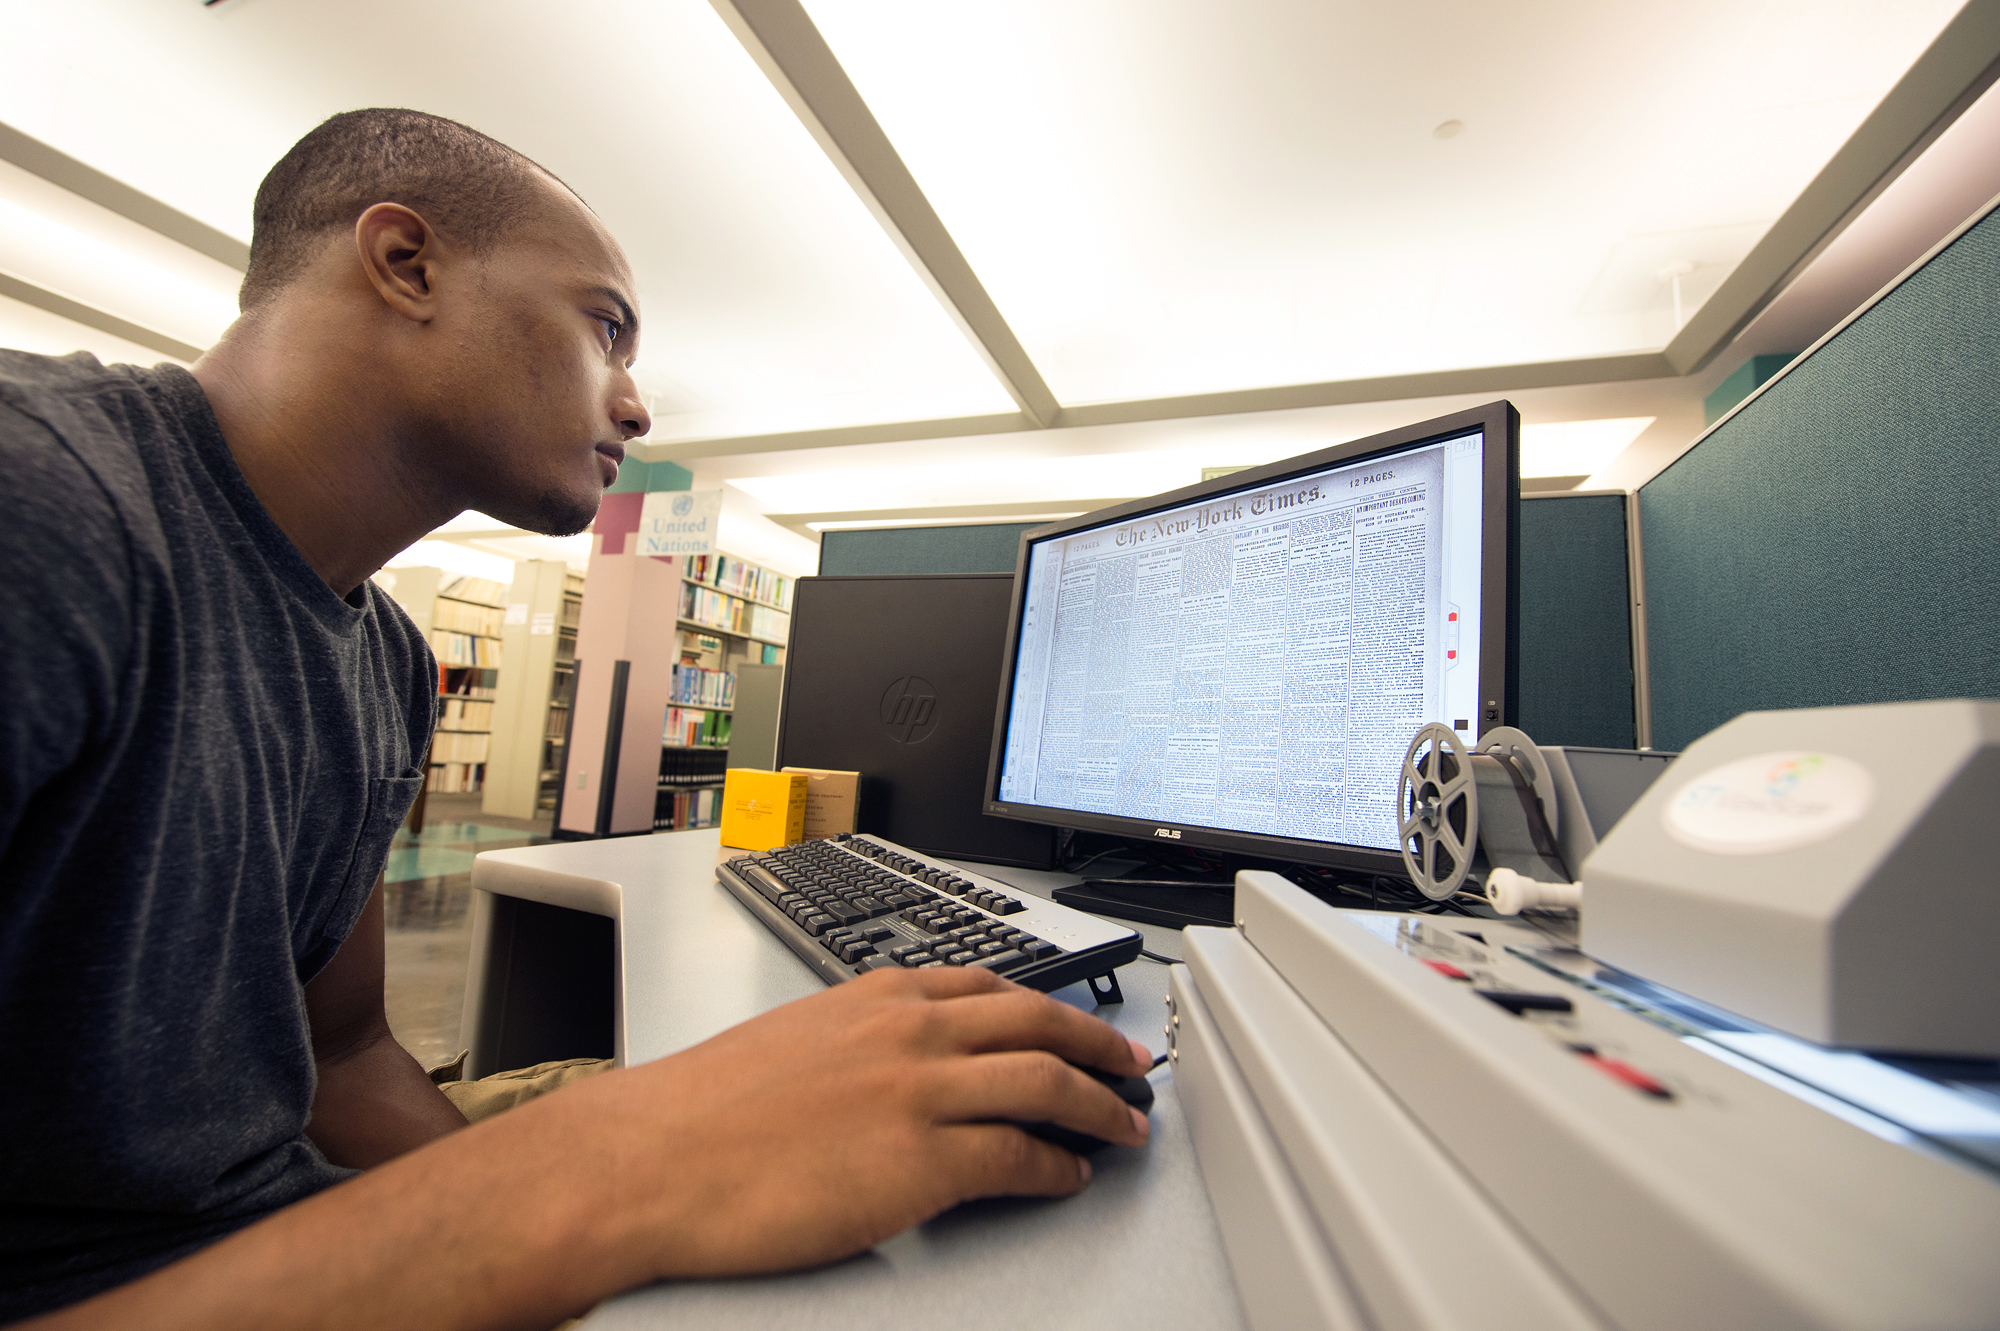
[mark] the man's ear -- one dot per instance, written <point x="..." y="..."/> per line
<point x="399" y="252"/>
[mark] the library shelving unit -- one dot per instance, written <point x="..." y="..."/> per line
<point x="461" y="617"/>
<point x="731" y="612"/>
<point x="537" y="685"/>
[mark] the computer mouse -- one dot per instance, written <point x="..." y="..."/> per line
<point x="1134" y="1091"/>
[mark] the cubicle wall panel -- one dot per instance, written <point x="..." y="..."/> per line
<point x="1575" y="613"/>
<point x="899" y="551"/>
<point x="1837" y="540"/>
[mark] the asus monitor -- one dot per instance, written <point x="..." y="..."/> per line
<point x="1240" y="665"/>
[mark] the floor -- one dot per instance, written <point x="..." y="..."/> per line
<point x="429" y="878"/>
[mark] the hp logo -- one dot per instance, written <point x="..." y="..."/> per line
<point x="909" y="709"/>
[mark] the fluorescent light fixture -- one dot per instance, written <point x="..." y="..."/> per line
<point x="29" y="328"/>
<point x="68" y="245"/>
<point x="455" y="558"/>
<point x="1577" y="448"/>
<point x="1236" y="196"/>
<point x="772" y="299"/>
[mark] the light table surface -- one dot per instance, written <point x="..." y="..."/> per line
<point x="1138" y="1247"/>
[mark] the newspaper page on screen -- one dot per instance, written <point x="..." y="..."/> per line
<point x="1252" y="663"/>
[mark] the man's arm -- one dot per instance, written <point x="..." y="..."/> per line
<point x="374" y="1102"/>
<point x="807" y="1134"/>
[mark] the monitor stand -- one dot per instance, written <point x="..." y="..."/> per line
<point x="1148" y="899"/>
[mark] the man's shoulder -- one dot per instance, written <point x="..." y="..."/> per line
<point x="70" y="430"/>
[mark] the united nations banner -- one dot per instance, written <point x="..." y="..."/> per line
<point x="679" y="522"/>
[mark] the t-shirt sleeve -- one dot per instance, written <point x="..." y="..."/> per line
<point x="66" y="630"/>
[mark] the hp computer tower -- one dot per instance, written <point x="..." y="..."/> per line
<point x="898" y="678"/>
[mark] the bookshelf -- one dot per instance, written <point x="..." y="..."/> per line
<point x="731" y="612"/>
<point x="461" y="617"/>
<point x="543" y="607"/>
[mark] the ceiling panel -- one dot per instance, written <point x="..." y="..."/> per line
<point x="1179" y="196"/>
<point x="771" y="298"/>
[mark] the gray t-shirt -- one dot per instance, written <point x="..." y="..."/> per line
<point x="204" y="755"/>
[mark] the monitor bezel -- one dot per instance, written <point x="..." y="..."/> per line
<point x="1499" y="643"/>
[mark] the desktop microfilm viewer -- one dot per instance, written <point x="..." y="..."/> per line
<point x="1256" y="659"/>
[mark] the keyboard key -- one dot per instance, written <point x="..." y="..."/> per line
<point x="817" y="924"/>
<point x="856" y="950"/>
<point x="1000" y="961"/>
<point x="876" y="933"/>
<point x="908" y="950"/>
<point x="1009" y="906"/>
<point x="876" y="963"/>
<point x="990" y="948"/>
<point x="961" y="959"/>
<point x="1039" y="949"/>
<point x="946" y="951"/>
<point x="845" y="913"/>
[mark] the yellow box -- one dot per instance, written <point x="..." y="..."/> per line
<point x="830" y="798"/>
<point x="762" y="810"/>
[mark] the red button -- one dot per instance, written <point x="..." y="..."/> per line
<point x="1631" y="1076"/>
<point x="1449" y="971"/>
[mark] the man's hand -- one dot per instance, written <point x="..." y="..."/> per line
<point x="797" y="1138"/>
<point x="830" y="1124"/>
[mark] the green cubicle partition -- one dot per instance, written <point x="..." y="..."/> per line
<point x="1836" y="539"/>
<point x="988" y="548"/>
<point x="1575" y="621"/>
<point x="1575" y="611"/>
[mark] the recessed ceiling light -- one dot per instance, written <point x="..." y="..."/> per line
<point x="1448" y="130"/>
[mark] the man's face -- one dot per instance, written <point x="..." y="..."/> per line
<point x="538" y="400"/>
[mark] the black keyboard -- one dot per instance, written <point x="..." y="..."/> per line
<point x="854" y="904"/>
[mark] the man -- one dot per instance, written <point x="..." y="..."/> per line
<point x="211" y="731"/>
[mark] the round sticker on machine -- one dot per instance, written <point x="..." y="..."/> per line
<point x="1773" y="801"/>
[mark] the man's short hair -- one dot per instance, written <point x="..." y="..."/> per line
<point x="470" y="187"/>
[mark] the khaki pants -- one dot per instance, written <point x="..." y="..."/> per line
<point x="504" y="1090"/>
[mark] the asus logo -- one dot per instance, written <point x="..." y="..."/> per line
<point x="1167" y="832"/>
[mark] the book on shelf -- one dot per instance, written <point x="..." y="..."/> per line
<point x="714" y="610"/>
<point x="449" y="746"/>
<point x="455" y="778"/>
<point x="679" y="810"/>
<point x="694" y="686"/>
<point x="464" y="587"/>
<point x="463" y="618"/>
<point x="464" y="714"/>
<point x="463" y="649"/>
<point x="739" y="578"/>
<point x="689" y="727"/>
<point x="692" y="767"/>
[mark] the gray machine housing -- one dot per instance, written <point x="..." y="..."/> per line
<point x="1883" y="933"/>
<point x="1389" y="1143"/>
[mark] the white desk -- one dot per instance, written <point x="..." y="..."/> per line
<point x="1139" y="1247"/>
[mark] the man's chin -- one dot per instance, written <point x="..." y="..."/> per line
<point x="556" y="513"/>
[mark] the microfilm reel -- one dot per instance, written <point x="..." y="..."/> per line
<point x="1506" y="741"/>
<point x="1437" y="807"/>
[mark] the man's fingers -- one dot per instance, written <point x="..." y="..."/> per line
<point x="1017" y="1018"/>
<point x="994" y="1160"/>
<point x="1034" y="1087"/>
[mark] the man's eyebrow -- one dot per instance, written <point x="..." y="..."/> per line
<point x="628" y="317"/>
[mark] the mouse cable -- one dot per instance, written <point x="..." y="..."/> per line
<point x="1154" y="956"/>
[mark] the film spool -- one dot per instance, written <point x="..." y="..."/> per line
<point x="1437" y="808"/>
<point x="1508" y="742"/>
